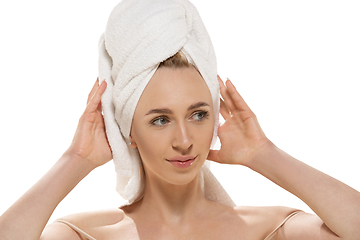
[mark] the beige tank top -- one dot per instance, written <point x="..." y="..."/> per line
<point x="87" y="236"/>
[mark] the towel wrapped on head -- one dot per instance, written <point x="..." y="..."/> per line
<point x="140" y="34"/>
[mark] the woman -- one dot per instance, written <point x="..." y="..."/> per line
<point x="172" y="204"/>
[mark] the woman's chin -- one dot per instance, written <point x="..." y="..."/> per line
<point x="180" y="176"/>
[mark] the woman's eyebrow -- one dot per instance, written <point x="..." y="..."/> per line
<point x="197" y="105"/>
<point x="168" y="111"/>
<point x="159" y="111"/>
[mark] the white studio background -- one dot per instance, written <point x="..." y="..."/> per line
<point x="296" y="63"/>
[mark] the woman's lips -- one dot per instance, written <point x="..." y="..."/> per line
<point x="182" y="161"/>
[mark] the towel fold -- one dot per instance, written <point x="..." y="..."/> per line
<point x="139" y="35"/>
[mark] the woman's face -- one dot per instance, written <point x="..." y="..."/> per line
<point x="173" y="125"/>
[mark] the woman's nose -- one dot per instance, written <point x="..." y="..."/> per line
<point x="182" y="138"/>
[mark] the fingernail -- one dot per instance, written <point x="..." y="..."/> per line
<point x="228" y="80"/>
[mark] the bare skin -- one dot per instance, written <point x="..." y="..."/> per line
<point x="173" y="206"/>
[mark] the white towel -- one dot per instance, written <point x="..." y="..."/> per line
<point x="139" y="35"/>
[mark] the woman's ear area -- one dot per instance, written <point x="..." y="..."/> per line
<point x="132" y="142"/>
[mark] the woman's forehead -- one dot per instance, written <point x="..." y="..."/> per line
<point x="176" y="87"/>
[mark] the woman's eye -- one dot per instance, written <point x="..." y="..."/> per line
<point x="198" y="116"/>
<point x="159" y="121"/>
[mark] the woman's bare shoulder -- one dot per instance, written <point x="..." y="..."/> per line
<point x="96" y="218"/>
<point x="264" y="217"/>
<point x="89" y="222"/>
<point x="264" y="211"/>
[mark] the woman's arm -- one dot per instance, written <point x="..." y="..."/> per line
<point x="243" y="142"/>
<point x="27" y="217"/>
<point x="337" y="204"/>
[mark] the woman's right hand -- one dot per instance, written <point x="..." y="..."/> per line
<point x="90" y="142"/>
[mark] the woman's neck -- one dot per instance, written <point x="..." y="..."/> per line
<point x="169" y="203"/>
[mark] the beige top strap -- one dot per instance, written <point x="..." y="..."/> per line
<point x="76" y="229"/>
<point x="81" y="232"/>
<point x="280" y="225"/>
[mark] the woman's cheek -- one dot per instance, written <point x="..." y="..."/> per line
<point x="203" y="135"/>
<point x="151" y="143"/>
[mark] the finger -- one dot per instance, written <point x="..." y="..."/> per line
<point x="95" y="101"/>
<point x="223" y="110"/>
<point x="226" y="96"/>
<point x="213" y="156"/>
<point x="93" y="90"/>
<point x="236" y="98"/>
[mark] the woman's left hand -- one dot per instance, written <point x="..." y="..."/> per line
<point x="240" y="135"/>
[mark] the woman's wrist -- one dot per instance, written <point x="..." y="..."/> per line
<point x="263" y="153"/>
<point x="77" y="161"/>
